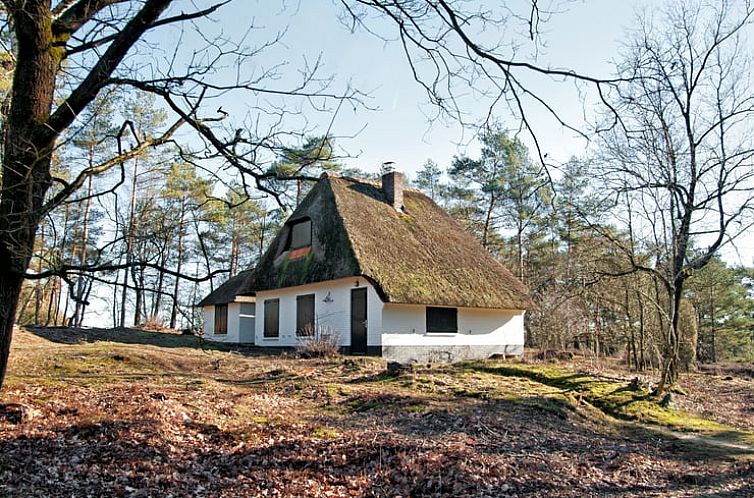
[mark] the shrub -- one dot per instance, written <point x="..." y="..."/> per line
<point x="318" y="342"/>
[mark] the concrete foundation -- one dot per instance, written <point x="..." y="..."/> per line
<point x="448" y="354"/>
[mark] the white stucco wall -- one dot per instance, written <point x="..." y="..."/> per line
<point x="209" y="320"/>
<point x="399" y="328"/>
<point x="241" y="328"/>
<point x="335" y="313"/>
<point x="492" y="331"/>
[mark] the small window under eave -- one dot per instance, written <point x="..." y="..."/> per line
<point x="442" y="319"/>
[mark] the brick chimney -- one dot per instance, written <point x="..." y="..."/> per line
<point x="392" y="185"/>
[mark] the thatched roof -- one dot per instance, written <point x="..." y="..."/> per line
<point x="418" y="256"/>
<point x="227" y="292"/>
<point x="331" y="256"/>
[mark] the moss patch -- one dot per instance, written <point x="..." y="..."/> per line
<point x="325" y="433"/>
<point x="611" y="397"/>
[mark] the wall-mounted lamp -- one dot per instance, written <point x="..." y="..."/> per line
<point x="357" y="283"/>
<point x="328" y="298"/>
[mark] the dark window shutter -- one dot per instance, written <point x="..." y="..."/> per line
<point x="305" y="314"/>
<point x="271" y="317"/>
<point x="442" y="319"/>
<point x="221" y="319"/>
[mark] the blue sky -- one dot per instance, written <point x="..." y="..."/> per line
<point x="583" y="37"/>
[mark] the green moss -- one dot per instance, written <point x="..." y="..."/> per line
<point x="260" y="420"/>
<point x="325" y="433"/>
<point x="363" y="405"/>
<point x="610" y="397"/>
<point x="416" y="408"/>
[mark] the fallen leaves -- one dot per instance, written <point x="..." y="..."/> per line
<point x="280" y="427"/>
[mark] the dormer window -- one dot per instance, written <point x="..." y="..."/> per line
<point x="300" y="234"/>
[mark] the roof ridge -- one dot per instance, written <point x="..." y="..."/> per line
<point x="372" y="182"/>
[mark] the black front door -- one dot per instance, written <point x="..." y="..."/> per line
<point x="359" y="321"/>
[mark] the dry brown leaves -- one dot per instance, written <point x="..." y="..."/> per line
<point x="316" y="428"/>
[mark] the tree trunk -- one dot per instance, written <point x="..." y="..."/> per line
<point x="176" y="288"/>
<point x="38" y="297"/>
<point x="22" y="311"/>
<point x="63" y="241"/>
<point x="59" y="285"/>
<point x="137" y="276"/>
<point x="205" y="252"/>
<point x="488" y="222"/>
<point x="234" y="254"/>
<point x="671" y="357"/>
<point x="713" y="333"/>
<point x="81" y="284"/>
<point x="157" y="303"/>
<point x="10" y="291"/>
<point x="631" y="339"/>
<point x="642" y="332"/>
<point x="520" y="249"/>
<point x="27" y="147"/>
<point x="50" y="301"/>
<point x="129" y="240"/>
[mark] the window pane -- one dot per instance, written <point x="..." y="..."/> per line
<point x="305" y="314"/>
<point x="442" y="319"/>
<point x="271" y="317"/>
<point x="301" y="234"/>
<point x="221" y="319"/>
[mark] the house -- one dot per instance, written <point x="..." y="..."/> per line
<point x="382" y="267"/>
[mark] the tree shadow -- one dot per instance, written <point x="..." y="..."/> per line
<point x="76" y="335"/>
<point x="550" y="445"/>
<point x="484" y="448"/>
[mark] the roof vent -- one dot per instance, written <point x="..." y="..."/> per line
<point x="392" y="185"/>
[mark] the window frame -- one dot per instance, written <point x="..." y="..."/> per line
<point x="268" y="333"/>
<point x="217" y="330"/>
<point x="432" y="328"/>
<point x="301" y="327"/>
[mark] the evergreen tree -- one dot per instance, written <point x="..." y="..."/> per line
<point x="309" y="160"/>
<point x="503" y="189"/>
<point x="428" y="179"/>
<point x="723" y="313"/>
<point x="184" y="197"/>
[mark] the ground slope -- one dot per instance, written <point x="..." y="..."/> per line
<point x="128" y="413"/>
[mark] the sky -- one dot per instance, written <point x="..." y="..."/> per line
<point x="583" y="37"/>
<point x="393" y="125"/>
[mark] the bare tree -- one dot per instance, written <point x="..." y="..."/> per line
<point x="468" y="54"/>
<point x="68" y="51"/>
<point x="679" y="161"/>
